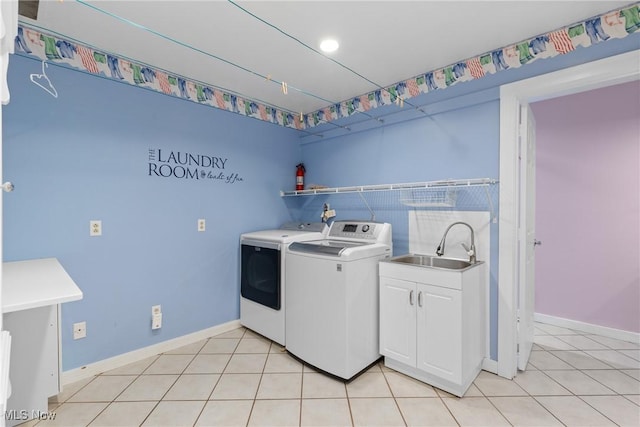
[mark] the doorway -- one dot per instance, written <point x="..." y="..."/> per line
<point x="593" y="75"/>
<point x="587" y="215"/>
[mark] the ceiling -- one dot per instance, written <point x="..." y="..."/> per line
<point x="250" y="47"/>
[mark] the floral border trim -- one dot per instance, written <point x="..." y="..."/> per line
<point x="616" y="24"/>
<point x="47" y="47"/>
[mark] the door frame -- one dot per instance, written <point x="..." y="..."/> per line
<point x="592" y="75"/>
<point x="526" y="247"/>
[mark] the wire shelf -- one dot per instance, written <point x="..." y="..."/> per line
<point x="393" y="199"/>
<point x="391" y="187"/>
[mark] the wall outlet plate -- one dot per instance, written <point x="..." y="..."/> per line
<point x="95" y="227"/>
<point x="202" y="225"/>
<point x="79" y="330"/>
<point x="156" y="321"/>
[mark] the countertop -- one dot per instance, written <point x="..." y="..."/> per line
<point x="36" y="283"/>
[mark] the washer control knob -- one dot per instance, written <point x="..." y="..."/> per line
<point x="365" y="228"/>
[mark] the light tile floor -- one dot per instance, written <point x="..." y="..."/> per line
<point x="242" y="379"/>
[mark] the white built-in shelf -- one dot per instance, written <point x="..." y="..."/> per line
<point x="450" y="183"/>
<point x="428" y="194"/>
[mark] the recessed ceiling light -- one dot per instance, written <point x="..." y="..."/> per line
<point x="329" y="45"/>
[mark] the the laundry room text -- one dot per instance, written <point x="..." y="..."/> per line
<point x="182" y="165"/>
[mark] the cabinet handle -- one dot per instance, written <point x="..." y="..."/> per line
<point x="411" y="297"/>
<point x="420" y="299"/>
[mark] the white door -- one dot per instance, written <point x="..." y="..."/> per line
<point x="592" y="75"/>
<point x="398" y="320"/>
<point x="1" y="214"/>
<point x="440" y="332"/>
<point x="527" y="242"/>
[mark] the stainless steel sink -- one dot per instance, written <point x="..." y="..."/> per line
<point x="433" y="261"/>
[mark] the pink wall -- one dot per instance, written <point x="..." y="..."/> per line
<point x="588" y="207"/>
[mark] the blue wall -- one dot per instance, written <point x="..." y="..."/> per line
<point x="459" y="142"/>
<point x="459" y="138"/>
<point x="85" y="156"/>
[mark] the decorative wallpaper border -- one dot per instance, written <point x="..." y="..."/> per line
<point x="616" y="24"/>
<point x="612" y="25"/>
<point x="70" y="54"/>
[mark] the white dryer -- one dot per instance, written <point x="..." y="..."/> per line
<point x="332" y="297"/>
<point x="262" y="278"/>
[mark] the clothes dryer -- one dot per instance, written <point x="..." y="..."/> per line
<point x="262" y="278"/>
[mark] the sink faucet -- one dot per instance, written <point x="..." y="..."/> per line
<point x="471" y="251"/>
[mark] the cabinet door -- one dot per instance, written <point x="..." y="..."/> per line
<point x="439" y="336"/>
<point x="398" y="320"/>
<point x="35" y="364"/>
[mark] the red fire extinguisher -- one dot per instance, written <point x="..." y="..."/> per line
<point x="300" y="176"/>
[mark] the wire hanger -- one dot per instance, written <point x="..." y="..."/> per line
<point x="38" y="78"/>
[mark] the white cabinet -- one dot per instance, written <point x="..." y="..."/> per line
<point x="439" y="340"/>
<point x="398" y="320"/>
<point x="433" y="331"/>
<point x="35" y="361"/>
<point x="32" y="292"/>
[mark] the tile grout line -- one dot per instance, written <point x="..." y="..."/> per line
<point x="221" y="374"/>
<point x="246" y="334"/>
<point x="394" y="397"/>
<point x="574" y="368"/>
<point x="216" y="383"/>
<point x="346" y="395"/>
<point x="165" y="393"/>
<point x="540" y="403"/>
<point x="552" y="379"/>
<point x="218" y="380"/>
<point x="493" y="404"/>
<point x="114" y="399"/>
<point x="580" y="397"/>
<point x="301" y="389"/>
<point x="255" y="396"/>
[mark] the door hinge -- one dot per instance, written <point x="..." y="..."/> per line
<point x="520" y="115"/>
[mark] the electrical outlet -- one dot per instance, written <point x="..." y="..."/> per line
<point x="95" y="227"/>
<point x="156" y="321"/>
<point x="202" y="225"/>
<point x="79" y="330"/>
<point x="156" y="317"/>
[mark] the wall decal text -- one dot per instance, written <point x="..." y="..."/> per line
<point x="182" y="165"/>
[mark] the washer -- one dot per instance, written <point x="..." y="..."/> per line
<point x="332" y="297"/>
<point x="262" y="278"/>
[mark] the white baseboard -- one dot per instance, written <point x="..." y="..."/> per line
<point x="605" y="331"/>
<point x="104" y="365"/>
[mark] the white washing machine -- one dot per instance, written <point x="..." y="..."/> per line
<point x="332" y="301"/>
<point x="262" y="278"/>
